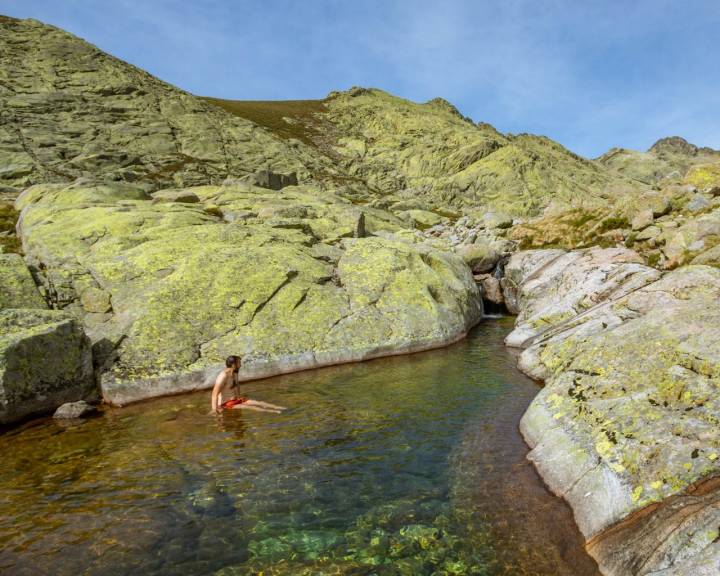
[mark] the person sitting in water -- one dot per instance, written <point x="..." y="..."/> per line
<point x="225" y="396"/>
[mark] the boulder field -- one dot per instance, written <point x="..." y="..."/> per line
<point x="626" y="426"/>
<point x="289" y="279"/>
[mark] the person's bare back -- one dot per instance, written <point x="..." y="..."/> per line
<point x="225" y="394"/>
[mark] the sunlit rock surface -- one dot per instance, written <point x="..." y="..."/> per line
<point x="167" y="290"/>
<point x="626" y="427"/>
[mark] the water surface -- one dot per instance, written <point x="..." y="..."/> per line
<point x="401" y="466"/>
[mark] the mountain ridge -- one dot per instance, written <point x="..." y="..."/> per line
<point x="96" y="115"/>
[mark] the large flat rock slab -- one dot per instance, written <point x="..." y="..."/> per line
<point x="548" y="287"/>
<point x="167" y="290"/>
<point x="626" y="427"/>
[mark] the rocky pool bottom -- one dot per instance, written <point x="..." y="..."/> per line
<point x="406" y="465"/>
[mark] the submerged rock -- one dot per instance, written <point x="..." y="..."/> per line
<point x="45" y="360"/>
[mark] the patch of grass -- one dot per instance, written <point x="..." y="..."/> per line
<point x="613" y="223"/>
<point x="303" y="114"/>
<point x="579" y="218"/>
<point x="8" y="218"/>
<point x="630" y="240"/>
<point x="653" y="259"/>
<point x="446" y="213"/>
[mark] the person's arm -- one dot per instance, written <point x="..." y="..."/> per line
<point x="215" y="394"/>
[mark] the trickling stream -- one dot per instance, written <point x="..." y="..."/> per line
<point x="408" y="465"/>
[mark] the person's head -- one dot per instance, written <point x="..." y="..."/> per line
<point x="233" y="362"/>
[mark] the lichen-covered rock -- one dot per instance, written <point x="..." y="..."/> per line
<point x="480" y="257"/>
<point x="693" y="238"/>
<point x="45" y="360"/>
<point x="626" y="425"/>
<point x="642" y="219"/>
<point x="184" y="196"/>
<point x="548" y="287"/>
<point x="434" y="154"/>
<point x="667" y="158"/>
<point x="422" y="219"/>
<point x="17" y="287"/>
<point x="704" y="176"/>
<point x="174" y="289"/>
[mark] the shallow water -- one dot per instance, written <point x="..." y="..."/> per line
<point x="407" y="465"/>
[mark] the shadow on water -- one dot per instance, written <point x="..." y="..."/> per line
<point x="400" y="466"/>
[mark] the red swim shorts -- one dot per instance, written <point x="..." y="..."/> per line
<point x="234" y="402"/>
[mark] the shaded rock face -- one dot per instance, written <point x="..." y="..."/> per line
<point x="289" y="287"/>
<point x="45" y="360"/>
<point x="273" y="180"/>
<point x="626" y="426"/>
<point x="69" y="110"/>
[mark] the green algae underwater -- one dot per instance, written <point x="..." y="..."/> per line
<point x="408" y="465"/>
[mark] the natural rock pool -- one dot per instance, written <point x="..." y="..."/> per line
<point x="407" y="465"/>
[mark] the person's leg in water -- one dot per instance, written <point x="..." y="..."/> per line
<point x="265" y="405"/>
<point x="249" y="405"/>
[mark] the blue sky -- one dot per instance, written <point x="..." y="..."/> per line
<point x="590" y="74"/>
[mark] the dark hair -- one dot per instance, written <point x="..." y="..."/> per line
<point x="230" y="361"/>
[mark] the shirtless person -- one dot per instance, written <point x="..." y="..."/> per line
<point x="224" y="394"/>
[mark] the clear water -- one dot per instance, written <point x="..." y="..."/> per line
<point x="408" y="465"/>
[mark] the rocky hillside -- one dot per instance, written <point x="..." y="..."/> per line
<point x="402" y="155"/>
<point x="668" y="160"/>
<point x="675" y="223"/>
<point x="68" y="110"/>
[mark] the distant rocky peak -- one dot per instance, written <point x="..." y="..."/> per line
<point x="674" y="145"/>
<point x="443" y="104"/>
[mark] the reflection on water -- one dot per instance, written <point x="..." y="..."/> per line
<point x="402" y="466"/>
